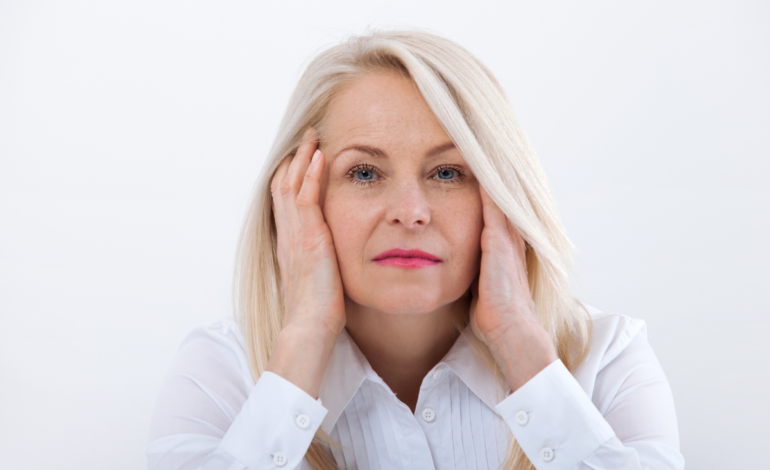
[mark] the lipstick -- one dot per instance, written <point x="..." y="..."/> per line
<point x="409" y="259"/>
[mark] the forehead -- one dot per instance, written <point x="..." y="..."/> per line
<point x="385" y="106"/>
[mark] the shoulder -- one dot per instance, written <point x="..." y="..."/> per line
<point x="206" y="385"/>
<point x="224" y="331"/>
<point x="614" y="336"/>
<point x="215" y="346"/>
<point x="622" y="376"/>
<point x="611" y="334"/>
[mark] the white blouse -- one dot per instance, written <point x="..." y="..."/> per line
<point x="615" y="411"/>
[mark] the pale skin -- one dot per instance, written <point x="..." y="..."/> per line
<point x="404" y="185"/>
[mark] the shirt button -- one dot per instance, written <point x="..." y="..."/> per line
<point x="437" y="373"/>
<point x="303" y="421"/>
<point x="279" y="458"/>
<point x="522" y="417"/>
<point x="546" y="453"/>
<point x="428" y="415"/>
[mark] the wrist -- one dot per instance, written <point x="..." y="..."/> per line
<point x="523" y="352"/>
<point x="300" y="356"/>
<point x="315" y="332"/>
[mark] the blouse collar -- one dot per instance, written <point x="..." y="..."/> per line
<point x="348" y="368"/>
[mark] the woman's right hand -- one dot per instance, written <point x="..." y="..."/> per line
<point x="314" y="303"/>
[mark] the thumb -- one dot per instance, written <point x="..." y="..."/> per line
<point x="308" y="197"/>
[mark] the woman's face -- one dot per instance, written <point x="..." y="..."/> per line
<point x="393" y="180"/>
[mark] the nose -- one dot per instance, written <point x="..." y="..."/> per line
<point x="408" y="205"/>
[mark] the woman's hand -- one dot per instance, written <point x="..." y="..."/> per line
<point x="314" y="303"/>
<point x="502" y="310"/>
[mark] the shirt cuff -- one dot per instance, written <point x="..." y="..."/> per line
<point x="275" y="426"/>
<point x="553" y="420"/>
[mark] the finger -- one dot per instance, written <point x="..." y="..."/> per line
<point x="278" y="176"/>
<point x="300" y="162"/>
<point x="307" y="199"/>
<point x="279" y="213"/>
<point x="494" y="217"/>
<point x="275" y="191"/>
<point x="284" y="191"/>
<point x="291" y="184"/>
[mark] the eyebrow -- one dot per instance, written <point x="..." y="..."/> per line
<point x="377" y="153"/>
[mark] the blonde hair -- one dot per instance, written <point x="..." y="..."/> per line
<point x="477" y="115"/>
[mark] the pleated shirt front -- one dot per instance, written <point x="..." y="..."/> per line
<point x="454" y="425"/>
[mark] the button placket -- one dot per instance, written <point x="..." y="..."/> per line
<point x="428" y="414"/>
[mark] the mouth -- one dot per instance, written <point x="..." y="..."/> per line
<point x="406" y="259"/>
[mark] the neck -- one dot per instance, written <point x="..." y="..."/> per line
<point x="403" y="348"/>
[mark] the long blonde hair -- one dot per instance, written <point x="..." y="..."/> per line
<point x="477" y="115"/>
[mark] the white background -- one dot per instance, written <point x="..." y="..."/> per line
<point x="131" y="133"/>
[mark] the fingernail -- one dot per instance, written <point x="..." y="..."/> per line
<point x="315" y="156"/>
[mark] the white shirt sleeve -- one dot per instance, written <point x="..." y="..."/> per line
<point x="211" y="416"/>
<point x="628" y="424"/>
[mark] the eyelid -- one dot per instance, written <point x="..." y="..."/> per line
<point x="358" y="167"/>
<point x="366" y="166"/>
<point x="362" y="166"/>
<point x="449" y="166"/>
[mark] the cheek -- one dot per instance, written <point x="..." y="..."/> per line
<point x="348" y="225"/>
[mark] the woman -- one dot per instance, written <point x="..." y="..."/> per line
<point x="404" y="298"/>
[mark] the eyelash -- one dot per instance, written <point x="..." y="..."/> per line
<point x="365" y="166"/>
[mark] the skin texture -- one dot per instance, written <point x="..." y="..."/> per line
<point x="404" y="186"/>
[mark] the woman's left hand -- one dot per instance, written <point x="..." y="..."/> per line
<point x="502" y="311"/>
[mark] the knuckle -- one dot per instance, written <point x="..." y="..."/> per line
<point x="304" y="201"/>
<point x="285" y="188"/>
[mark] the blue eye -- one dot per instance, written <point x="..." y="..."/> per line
<point x="365" y="174"/>
<point x="448" y="174"/>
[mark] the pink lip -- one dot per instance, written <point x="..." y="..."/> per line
<point x="406" y="258"/>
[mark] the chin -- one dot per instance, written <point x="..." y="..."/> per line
<point x="404" y="300"/>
